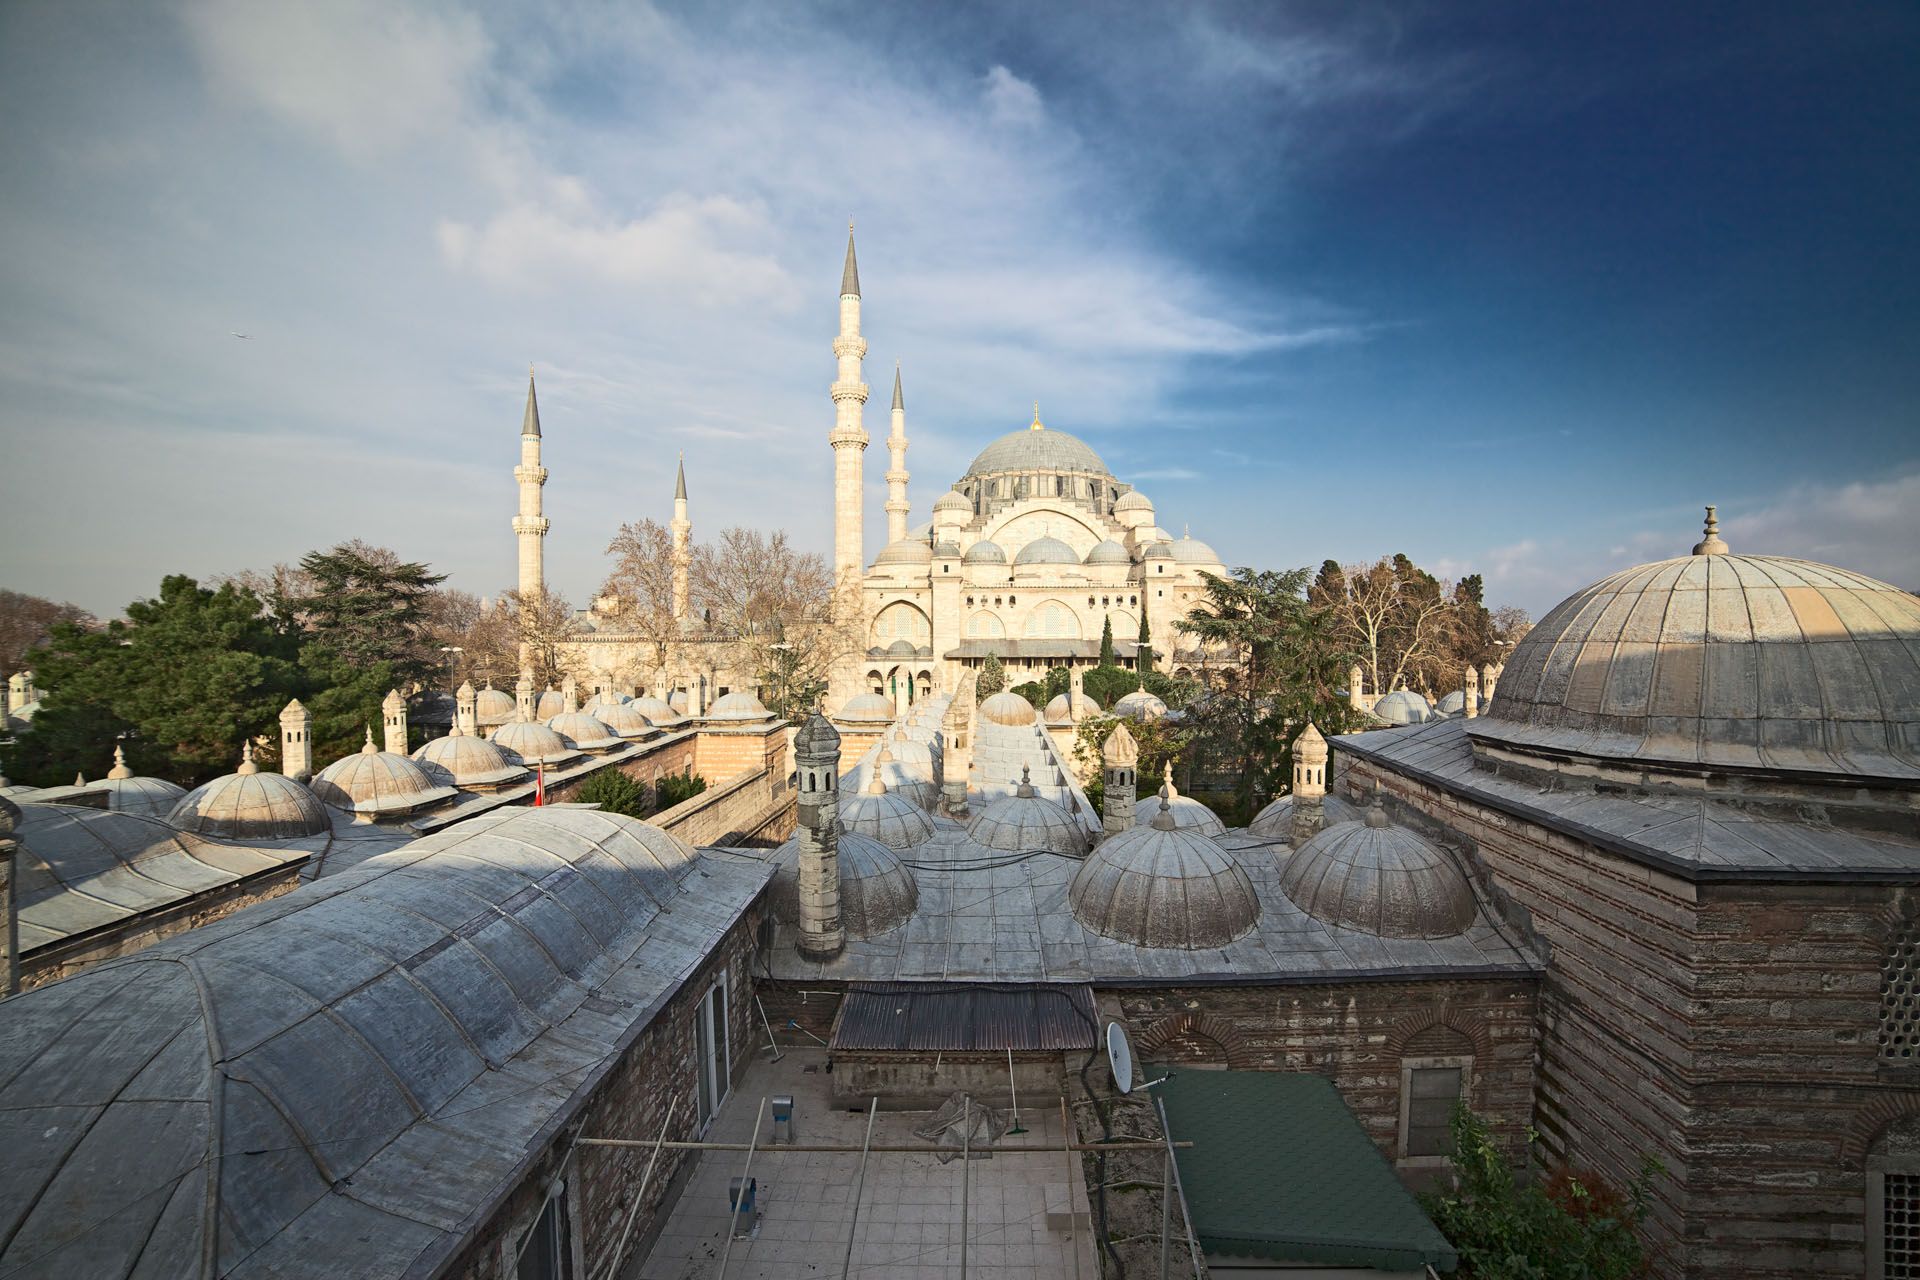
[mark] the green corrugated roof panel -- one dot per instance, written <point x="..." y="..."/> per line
<point x="1279" y="1168"/>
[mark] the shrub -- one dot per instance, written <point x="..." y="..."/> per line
<point x="675" y="787"/>
<point x="614" y="792"/>
<point x="1035" y="692"/>
<point x="993" y="678"/>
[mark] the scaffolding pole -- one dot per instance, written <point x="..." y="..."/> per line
<point x="828" y="1149"/>
<point x="640" y="1197"/>
<point x="966" y="1172"/>
<point x="1173" y="1167"/>
<point x="859" y="1189"/>
<point x="733" y="1220"/>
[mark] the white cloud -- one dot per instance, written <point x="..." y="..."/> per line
<point x="1871" y="527"/>
<point x="1011" y="100"/>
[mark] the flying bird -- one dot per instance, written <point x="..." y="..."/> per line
<point x="246" y="336"/>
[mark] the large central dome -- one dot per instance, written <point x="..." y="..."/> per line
<point x="1037" y="448"/>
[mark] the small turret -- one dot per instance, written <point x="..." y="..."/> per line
<point x="1119" y="758"/>
<point x="1309" y="784"/>
<point x="816" y="754"/>
<point x="393" y="723"/>
<point x="296" y="742"/>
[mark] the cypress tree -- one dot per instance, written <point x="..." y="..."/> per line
<point x="1106" y="642"/>
<point x="1143" y="661"/>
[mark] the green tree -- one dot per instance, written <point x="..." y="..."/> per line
<point x="365" y="605"/>
<point x="673" y="788"/>
<point x="1035" y="692"/>
<point x="1106" y="643"/>
<point x="1143" y="657"/>
<point x="993" y="678"/>
<point x="1106" y="685"/>
<point x="614" y="792"/>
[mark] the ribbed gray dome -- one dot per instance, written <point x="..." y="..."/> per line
<point x="1158" y="551"/>
<point x="623" y="719"/>
<point x="1007" y="708"/>
<point x="1140" y="705"/>
<point x="1191" y="550"/>
<point x="946" y="548"/>
<point x="738" y="705"/>
<point x="1037" y="449"/>
<point x="550" y="704"/>
<point x="877" y="894"/>
<point x="1023" y="822"/>
<point x="877" y="813"/>
<point x="905" y="551"/>
<point x="1451" y="705"/>
<point x="1109" y="552"/>
<point x="657" y="711"/>
<point x="1403" y="706"/>
<point x="1133" y="500"/>
<point x="1187" y="813"/>
<point x="250" y="805"/>
<point x="866" y="708"/>
<point x="373" y="783"/>
<point x="492" y="707"/>
<point x="533" y="744"/>
<point x="1044" y="550"/>
<point x="145" y="797"/>
<point x="1156" y="886"/>
<point x="1275" y="821"/>
<point x="587" y="733"/>
<point x="1379" y="879"/>
<point x="901" y="649"/>
<point x="466" y="760"/>
<point x="1060" y="711"/>
<point x="985" y="551"/>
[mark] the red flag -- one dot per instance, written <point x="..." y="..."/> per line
<point x="539" y="784"/>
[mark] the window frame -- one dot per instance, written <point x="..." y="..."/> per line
<point x="1439" y="1062"/>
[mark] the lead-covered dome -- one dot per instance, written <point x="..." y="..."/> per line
<point x="952" y="500"/>
<point x="1140" y="705"/>
<point x="1109" y="552"/>
<point x="739" y="706"/>
<point x="249" y="805"/>
<point x="492" y="707"/>
<point x="1025" y="822"/>
<point x="866" y="708"/>
<point x="373" y="783"/>
<point x="1721" y="661"/>
<point x="1188" y="814"/>
<point x="1157" y="886"/>
<point x="1132" y="500"/>
<point x="1380" y="879"/>
<point x="1046" y="550"/>
<point x="877" y="894"/>
<point x="657" y="710"/>
<point x="906" y="551"/>
<point x="462" y="759"/>
<point x="623" y="719"/>
<point x="878" y="814"/>
<point x="1190" y="550"/>
<point x="1007" y="708"/>
<point x="585" y="732"/>
<point x="533" y="744"/>
<point x="1404" y="706"/>
<point x="131" y="793"/>
<point x="985" y="551"/>
<point x="1037" y="448"/>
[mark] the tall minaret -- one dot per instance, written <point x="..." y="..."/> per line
<point x="682" y="529"/>
<point x="897" y="465"/>
<point x="849" y="441"/>
<point x="530" y="526"/>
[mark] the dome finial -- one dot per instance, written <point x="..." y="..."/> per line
<point x="1025" y="790"/>
<point x="1376" y="811"/>
<point x="1036" y="418"/>
<point x="369" y="749"/>
<point x="1711" y="544"/>
<point x="120" y="769"/>
<point x="1167" y="789"/>
<point x="1163" y="820"/>
<point x="246" y="759"/>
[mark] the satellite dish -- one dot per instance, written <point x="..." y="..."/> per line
<point x="1120" y="1057"/>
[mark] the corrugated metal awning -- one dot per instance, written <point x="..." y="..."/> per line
<point x="961" y="1017"/>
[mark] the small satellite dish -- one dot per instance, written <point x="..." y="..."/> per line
<point x="1120" y="1057"/>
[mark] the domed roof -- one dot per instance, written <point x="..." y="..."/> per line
<point x="952" y="500"/>
<point x="1452" y="704"/>
<point x="984" y="551"/>
<point x="249" y="805"/>
<point x="493" y="706"/>
<point x="1188" y="814"/>
<point x="623" y="719"/>
<point x="866" y="708"/>
<point x="946" y="548"/>
<point x="1404" y="706"/>
<point x="1007" y="708"/>
<point x="738" y="705"/>
<point x="1716" y="660"/>
<point x="1045" y="550"/>
<point x="532" y="743"/>
<point x="1063" y="710"/>
<point x="372" y="781"/>
<point x="881" y="815"/>
<point x="1140" y="705"/>
<point x="550" y="704"/>
<point x="145" y="797"/>
<point x="905" y="551"/>
<point x="1190" y="550"/>
<point x="901" y="649"/>
<point x="1133" y="500"/>
<point x="1037" y="448"/>
<point x="1158" y="551"/>
<point x="1107" y="551"/>
<point x="463" y="759"/>
<point x="1379" y="879"/>
<point x="876" y="893"/>
<point x="656" y="710"/>
<point x="588" y="733"/>
<point x="1275" y="821"/>
<point x="605" y="698"/>
<point x="1026" y="821"/>
<point x="1159" y="886"/>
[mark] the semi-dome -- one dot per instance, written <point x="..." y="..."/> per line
<point x="985" y="551"/>
<point x="492" y="707"/>
<point x="1109" y="552"/>
<point x="866" y="708"/>
<point x="1026" y="821"/>
<point x="1140" y="705"/>
<point x="623" y="719"/>
<point x="905" y="551"/>
<point x="127" y="793"/>
<point x="1716" y="661"/>
<point x="877" y="813"/>
<point x="738" y="706"/>
<point x="902" y="648"/>
<point x="1132" y="500"/>
<point x="657" y="710"/>
<point x="1380" y="879"/>
<point x="1190" y="550"/>
<point x="1159" y="886"/>
<point x="877" y="894"/>
<point x="374" y="783"/>
<point x="249" y="805"/>
<point x="462" y="759"/>
<point x="1046" y="550"/>
<point x="1188" y="814"/>
<point x="952" y="500"/>
<point x="1037" y="448"/>
<point x="1404" y="706"/>
<point x="1006" y="708"/>
<point x="585" y="732"/>
<point x="533" y="744"/>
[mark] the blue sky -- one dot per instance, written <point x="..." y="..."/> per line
<point x="1511" y="288"/>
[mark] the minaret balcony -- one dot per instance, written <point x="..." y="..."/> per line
<point x="850" y="344"/>
<point x="535" y="525"/>
<point x="850" y="391"/>
<point x="530" y="475"/>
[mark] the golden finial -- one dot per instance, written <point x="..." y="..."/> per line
<point x="1036" y="417"/>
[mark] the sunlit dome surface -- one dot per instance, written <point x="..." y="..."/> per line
<point x="1041" y="450"/>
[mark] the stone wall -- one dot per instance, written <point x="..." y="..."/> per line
<point x="633" y="1101"/>
<point x="755" y="808"/>
<point x="729" y="752"/>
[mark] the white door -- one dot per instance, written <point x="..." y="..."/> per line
<point x="713" y="1061"/>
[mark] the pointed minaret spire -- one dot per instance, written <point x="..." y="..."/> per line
<point x="530" y="526"/>
<point x="850" y="274"/>
<point x="848" y="439"/>
<point x="530" y="422"/>
<point x="680" y="481"/>
<point x="682" y="534"/>
<point x="897" y="506"/>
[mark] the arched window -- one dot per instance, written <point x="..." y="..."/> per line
<point x="1436" y="1069"/>
<point x="986" y="626"/>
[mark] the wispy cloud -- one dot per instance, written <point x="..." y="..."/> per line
<point x="1011" y="100"/>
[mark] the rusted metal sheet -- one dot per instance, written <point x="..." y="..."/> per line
<point x="966" y="1017"/>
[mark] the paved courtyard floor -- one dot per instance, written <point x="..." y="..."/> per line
<point x="908" y="1220"/>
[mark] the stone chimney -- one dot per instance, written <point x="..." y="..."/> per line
<point x="1309" y="785"/>
<point x="1470" y="701"/>
<point x="816" y="754"/>
<point x="1356" y="694"/>
<point x="466" y="708"/>
<point x="569" y="695"/>
<point x="296" y="741"/>
<point x="523" y="704"/>
<point x="956" y="732"/>
<point x="1489" y="676"/>
<point x="393" y="723"/>
<point x="697" y="701"/>
<point x="1119" y="764"/>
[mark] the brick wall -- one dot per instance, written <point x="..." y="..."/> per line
<point x="753" y="808"/>
<point x="726" y="753"/>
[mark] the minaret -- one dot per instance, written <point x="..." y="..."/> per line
<point x="682" y="530"/>
<point x="393" y="723"/>
<point x="816" y="758"/>
<point x="1309" y="785"/>
<point x="849" y="441"/>
<point x="897" y="465"/>
<point x="1119" y="758"/>
<point x="530" y="526"/>
<point x="296" y="741"/>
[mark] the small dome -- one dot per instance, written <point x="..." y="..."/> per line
<point x="623" y="719"/>
<point x="1158" y="551"/>
<point x="905" y="551"/>
<point x="678" y="700"/>
<point x="657" y="710"/>
<point x="605" y="698"/>
<point x="1024" y="822"/>
<point x="1158" y="886"/>
<point x="1133" y="500"/>
<point x="1045" y="550"/>
<point x="1453" y="704"/>
<point x="866" y="708"/>
<point x="877" y="813"/>
<point x="1187" y="813"/>
<point x="585" y="732"/>
<point x="1007" y="708"/>
<point x="1403" y="706"/>
<point x="984" y="552"/>
<point x="946" y="548"/>
<point x="1110" y="552"/>
<point x="1379" y="879"/>
<point x="952" y="500"/>
<point x="374" y="782"/>
<point x="249" y="805"/>
<point x="144" y="797"/>
<point x="550" y="704"/>
<point x="1275" y="822"/>
<point x="901" y="649"/>
<point x="533" y="744"/>
<point x="877" y="894"/>
<point x="492" y="707"/>
<point x="1140" y="705"/>
<point x="466" y="760"/>
<point x="1190" y="550"/>
<point x="738" y="705"/>
<point x="1062" y="710"/>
